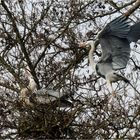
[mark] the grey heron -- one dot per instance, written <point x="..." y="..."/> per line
<point x="30" y="95"/>
<point x="115" y="41"/>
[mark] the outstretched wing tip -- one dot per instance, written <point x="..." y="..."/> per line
<point x="118" y="27"/>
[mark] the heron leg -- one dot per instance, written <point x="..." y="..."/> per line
<point x="111" y="90"/>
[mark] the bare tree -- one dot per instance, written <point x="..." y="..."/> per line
<point x="45" y="36"/>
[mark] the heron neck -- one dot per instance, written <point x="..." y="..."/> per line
<point x="91" y="60"/>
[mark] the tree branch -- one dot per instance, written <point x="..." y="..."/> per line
<point x="132" y="9"/>
<point x="11" y="70"/>
<point x="20" y="41"/>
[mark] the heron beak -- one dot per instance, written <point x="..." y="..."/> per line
<point x="82" y="45"/>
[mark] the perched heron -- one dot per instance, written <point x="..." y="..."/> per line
<point x="50" y="96"/>
<point x="30" y="95"/>
<point x="115" y="41"/>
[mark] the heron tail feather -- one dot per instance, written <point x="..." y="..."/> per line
<point x="122" y="78"/>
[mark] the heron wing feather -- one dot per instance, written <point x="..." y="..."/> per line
<point x="134" y="33"/>
<point x="114" y="43"/>
<point x="115" y="51"/>
<point x="118" y="27"/>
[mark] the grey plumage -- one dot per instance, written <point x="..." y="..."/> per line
<point x="119" y="27"/>
<point x="134" y="33"/>
<point x="47" y="96"/>
<point x="115" y="41"/>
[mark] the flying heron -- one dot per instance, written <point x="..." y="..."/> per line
<point x="115" y="39"/>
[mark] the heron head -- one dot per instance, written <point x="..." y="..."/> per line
<point x="89" y="44"/>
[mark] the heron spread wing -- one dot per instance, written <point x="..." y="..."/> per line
<point x="115" y="51"/>
<point x="119" y="27"/>
<point x="114" y="43"/>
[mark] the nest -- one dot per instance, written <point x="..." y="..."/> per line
<point x="43" y="121"/>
